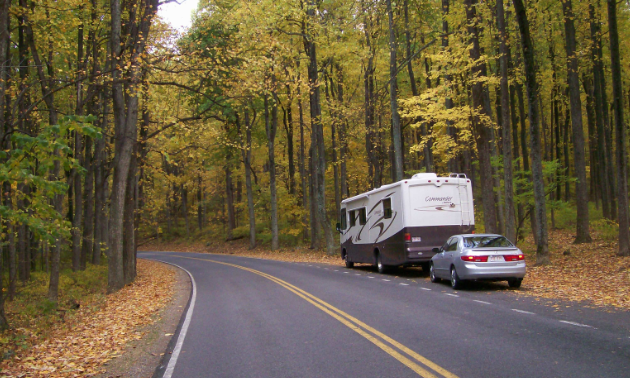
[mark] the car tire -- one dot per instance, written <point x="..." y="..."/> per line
<point x="379" y="264"/>
<point x="432" y="275"/>
<point x="349" y="264"/>
<point x="515" y="283"/>
<point x="456" y="283"/>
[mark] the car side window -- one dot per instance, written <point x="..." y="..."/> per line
<point x="452" y="246"/>
<point x="446" y="245"/>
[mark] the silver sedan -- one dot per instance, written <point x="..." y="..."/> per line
<point x="478" y="257"/>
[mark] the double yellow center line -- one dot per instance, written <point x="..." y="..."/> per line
<point x="390" y="346"/>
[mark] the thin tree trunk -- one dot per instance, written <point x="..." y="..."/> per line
<point x="129" y="232"/>
<point x="271" y="125"/>
<point x="247" y="158"/>
<point x="620" y="129"/>
<point x="579" y="160"/>
<point x="318" y="129"/>
<point x="393" y="99"/>
<point x="540" y="214"/>
<point x="303" y="174"/>
<point x="482" y="131"/>
<point x="510" y="227"/>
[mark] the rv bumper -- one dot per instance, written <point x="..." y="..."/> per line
<point x="419" y="254"/>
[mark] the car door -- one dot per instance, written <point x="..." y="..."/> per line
<point x="441" y="264"/>
<point x="450" y="252"/>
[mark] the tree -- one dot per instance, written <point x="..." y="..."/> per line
<point x="540" y="213"/>
<point x="581" y="189"/>
<point x="620" y="129"/>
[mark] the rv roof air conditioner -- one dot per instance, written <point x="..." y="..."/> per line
<point x="424" y="176"/>
<point x="458" y="175"/>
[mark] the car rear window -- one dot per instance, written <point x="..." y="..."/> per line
<point x="486" y="242"/>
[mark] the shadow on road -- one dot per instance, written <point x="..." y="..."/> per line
<point x="418" y="274"/>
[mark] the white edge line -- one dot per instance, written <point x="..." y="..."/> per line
<point x="404" y="284"/>
<point x="452" y="295"/>
<point x="576" y="324"/>
<point x="425" y="288"/>
<point x="386" y="280"/>
<point x="168" y="373"/>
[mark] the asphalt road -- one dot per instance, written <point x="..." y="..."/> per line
<point x="261" y="318"/>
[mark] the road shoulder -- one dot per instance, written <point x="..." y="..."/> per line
<point x="141" y="357"/>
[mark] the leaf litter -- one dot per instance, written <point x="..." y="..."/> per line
<point x="96" y="333"/>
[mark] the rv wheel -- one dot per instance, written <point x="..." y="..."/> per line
<point x="379" y="264"/>
<point x="349" y="264"/>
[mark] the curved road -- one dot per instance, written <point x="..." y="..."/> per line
<point x="263" y="318"/>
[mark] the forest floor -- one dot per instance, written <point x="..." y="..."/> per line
<point x="79" y="342"/>
<point x="589" y="273"/>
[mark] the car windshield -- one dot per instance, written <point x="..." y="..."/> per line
<point x="486" y="242"/>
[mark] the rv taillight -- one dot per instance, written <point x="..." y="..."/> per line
<point x="473" y="232"/>
<point x="407" y="237"/>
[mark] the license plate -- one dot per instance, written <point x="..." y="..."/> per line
<point x="495" y="258"/>
<point x="416" y="239"/>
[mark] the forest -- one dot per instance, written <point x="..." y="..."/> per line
<point x="261" y="118"/>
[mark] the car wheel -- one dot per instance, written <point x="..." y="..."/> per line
<point x="432" y="275"/>
<point x="379" y="264"/>
<point x="515" y="283"/>
<point x="349" y="264"/>
<point x="455" y="281"/>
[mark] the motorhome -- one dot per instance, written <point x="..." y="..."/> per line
<point x="399" y="224"/>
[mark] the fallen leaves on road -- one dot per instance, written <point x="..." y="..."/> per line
<point x="80" y="346"/>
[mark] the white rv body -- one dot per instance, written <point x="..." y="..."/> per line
<point x="402" y="222"/>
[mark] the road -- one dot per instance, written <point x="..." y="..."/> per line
<point x="261" y="318"/>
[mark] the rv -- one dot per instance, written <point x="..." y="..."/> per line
<point x="399" y="224"/>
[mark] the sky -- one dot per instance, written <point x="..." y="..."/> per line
<point x="178" y="15"/>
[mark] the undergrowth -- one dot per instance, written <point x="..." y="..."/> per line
<point x="31" y="314"/>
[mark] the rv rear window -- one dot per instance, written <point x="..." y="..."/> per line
<point x="353" y="218"/>
<point x="362" y="216"/>
<point x="387" y="208"/>
<point x="343" y="219"/>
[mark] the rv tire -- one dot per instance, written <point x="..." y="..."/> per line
<point x="349" y="264"/>
<point x="379" y="264"/>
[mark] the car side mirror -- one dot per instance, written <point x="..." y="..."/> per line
<point x="436" y="250"/>
<point x="338" y="227"/>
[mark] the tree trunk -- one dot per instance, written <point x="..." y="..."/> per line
<point x="620" y="129"/>
<point x="129" y="232"/>
<point x="510" y="227"/>
<point x="125" y="102"/>
<point x="229" y="198"/>
<point x="393" y="98"/>
<point x="579" y="160"/>
<point x="247" y="158"/>
<point x="482" y="131"/>
<point x="318" y="129"/>
<point x="271" y="125"/>
<point x="540" y="214"/>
